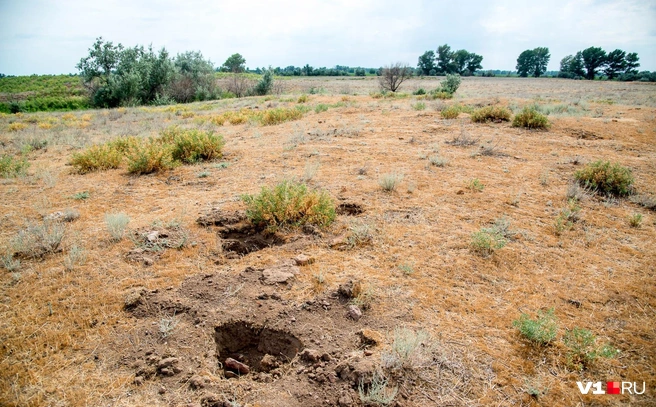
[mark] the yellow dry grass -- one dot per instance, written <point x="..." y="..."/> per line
<point x="57" y="326"/>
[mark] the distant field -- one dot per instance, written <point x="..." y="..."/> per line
<point x="42" y="93"/>
<point x="131" y="271"/>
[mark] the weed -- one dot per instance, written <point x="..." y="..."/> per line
<point x="116" y="224"/>
<point x="167" y="326"/>
<point x="419" y="106"/>
<point x="96" y="158"/>
<point x="75" y="256"/>
<point x="475" y="185"/>
<point x="17" y="126"/>
<point x="36" y="241"/>
<point x="302" y="99"/>
<point x="495" y="114"/>
<point x="646" y="201"/>
<point x="191" y="146"/>
<point x="578" y="193"/>
<point x="606" y="178"/>
<point x="407" y="269"/>
<point x="81" y="196"/>
<point x="534" y="388"/>
<point x="360" y="235"/>
<point x="541" y="330"/>
<point x="222" y="165"/>
<point x="582" y="349"/>
<point x="450" y="112"/>
<point x="377" y="392"/>
<point x="11" y="166"/>
<point x="289" y="203"/>
<point x="311" y="169"/>
<point x="635" y="220"/>
<point x="321" y="107"/>
<point x="408" y="350"/>
<point x="149" y="157"/>
<point x="280" y="115"/>
<point x="389" y="182"/>
<point x="567" y="217"/>
<point x="364" y="298"/>
<point x="438" y="161"/>
<point x="9" y="263"/>
<point x="463" y="139"/>
<point x="530" y="118"/>
<point x="486" y="241"/>
<point x="203" y="174"/>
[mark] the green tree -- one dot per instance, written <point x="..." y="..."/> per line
<point x="474" y="63"/>
<point x="593" y="59"/>
<point x="572" y="66"/>
<point x="615" y="63"/>
<point x="426" y="63"/>
<point x="541" y="60"/>
<point x="194" y="78"/>
<point x="444" y="60"/>
<point x="631" y="63"/>
<point x="525" y="63"/>
<point x="235" y="63"/>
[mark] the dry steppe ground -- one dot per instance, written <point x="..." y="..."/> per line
<point x="97" y="323"/>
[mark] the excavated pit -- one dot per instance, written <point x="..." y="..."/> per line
<point x="260" y="348"/>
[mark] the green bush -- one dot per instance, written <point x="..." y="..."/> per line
<point x="289" y="204"/>
<point x="148" y="157"/>
<point x="265" y="84"/>
<point x="11" y="166"/>
<point x="191" y="146"/>
<point x="490" y="114"/>
<point x="530" y="118"/>
<point x="582" y="349"/>
<point x="451" y="84"/>
<point x="96" y="158"/>
<point x="606" y="178"/>
<point x="450" y="112"/>
<point x="541" y="330"/>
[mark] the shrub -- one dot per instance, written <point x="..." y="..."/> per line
<point x="486" y="241"/>
<point x="392" y="76"/>
<point x="289" y="203"/>
<point x="451" y="84"/>
<point x="389" y="182"/>
<point x="116" y="224"/>
<point x="11" y="166"/>
<point x="280" y="115"/>
<point x="302" y="99"/>
<point x="148" y="157"/>
<point x="567" y="217"/>
<point x="191" y="146"/>
<point x="376" y="393"/>
<point x="124" y="144"/>
<point x="420" y="91"/>
<point x="541" y="330"/>
<point x="635" y="220"/>
<point x="606" y="178"/>
<point x="438" y="94"/>
<point x="419" y="106"/>
<point x="17" y="126"/>
<point x="438" y="161"/>
<point x="583" y="350"/>
<point x="96" y="158"/>
<point x="408" y="349"/>
<point x="36" y="241"/>
<point x="450" y="112"/>
<point x="530" y="118"/>
<point x="265" y="84"/>
<point x="490" y="113"/>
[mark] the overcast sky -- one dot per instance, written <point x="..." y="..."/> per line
<point x="50" y="37"/>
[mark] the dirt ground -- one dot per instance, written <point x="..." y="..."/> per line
<point x="153" y="318"/>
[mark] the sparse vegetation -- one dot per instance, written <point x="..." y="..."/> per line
<point x="475" y="185"/>
<point x="289" y="204"/>
<point x="10" y="166"/>
<point x="567" y="217"/>
<point x="377" y="393"/>
<point x="606" y="178"/>
<point x="38" y="240"/>
<point x="530" y="118"/>
<point x="491" y="114"/>
<point x="389" y="182"/>
<point x="635" y="220"/>
<point x="116" y="224"/>
<point x="96" y="158"/>
<point x="487" y="240"/>
<point x="438" y="161"/>
<point x="409" y="350"/>
<point x="450" y="112"/>
<point x="541" y="330"/>
<point x="582" y="348"/>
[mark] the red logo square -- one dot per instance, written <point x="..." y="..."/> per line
<point x="612" y="387"/>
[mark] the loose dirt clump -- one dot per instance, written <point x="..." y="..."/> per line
<point x="349" y="208"/>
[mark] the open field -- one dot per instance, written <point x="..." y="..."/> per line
<point x="96" y="320"/>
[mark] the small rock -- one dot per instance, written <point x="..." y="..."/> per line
<point x="162" y="390"/>
<point x="303" y="260"/>
<point x="354" y="312"/>
<point x="369" y="337"/>
<point x="235" y="366"/>
<point x="280" y="274"/>
<point x="345" y="401"/>
<point x="338" y="241"/>
<point x="310" y="355"/>
<point x="133" y="299"/>
<point x="350" y="290"/>
<point x="230" y="375"/>
<point x="269" y="362"/>
<point x="368" y="352"/>
<point x="197" y="382"/>
<point x="167" y="362"/>
<point x="152" y="236"/>
<point x="167" y="371"/>
<point x="138" y="380"/>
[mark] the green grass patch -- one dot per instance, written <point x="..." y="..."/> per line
<point x="12" y="166"/>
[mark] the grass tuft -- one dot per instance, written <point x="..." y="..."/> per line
<point x="491" y="114"/>
<point x="541" y="330"/>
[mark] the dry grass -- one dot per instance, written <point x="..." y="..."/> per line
<point x="58" y="327"/>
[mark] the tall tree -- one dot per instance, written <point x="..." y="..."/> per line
<point x="632" y="63"/>
<point x="444" y="60"/>
<point x="235" y="63"/>
<point x="525" y="63"/>
<point x="593" y="59"/>
<point x="459" y="61"/>
<point x="572" y="66"/>
<point x="426" y="63"/>
<point x="474" y="63"/>
<point x="541" y="60"/>
<point x="615" y="63"/>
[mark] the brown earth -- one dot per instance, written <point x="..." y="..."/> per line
<point x="152" y="319"/>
